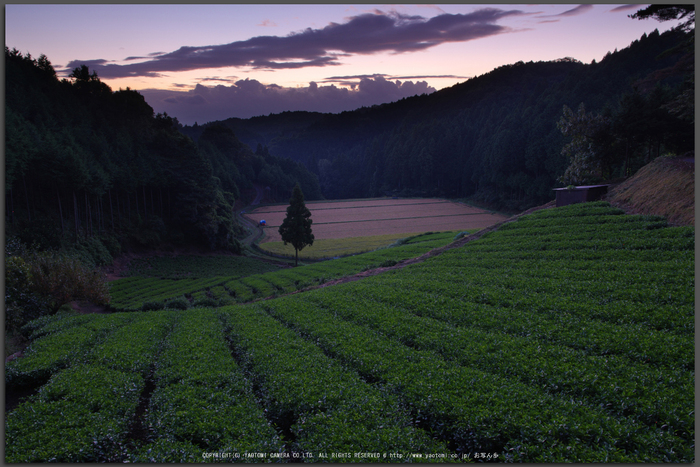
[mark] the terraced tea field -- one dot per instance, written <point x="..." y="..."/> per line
<point x="564" y="336"/>
<point x="233" y="279"/>
<point x="334" y="248"/>
<point x="183" y="266"/>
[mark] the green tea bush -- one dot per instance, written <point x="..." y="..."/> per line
<point x="151" y="306"/>
<point x="81" y="415"/>
<point x="206" y="302"/>
<point x="323" y="405"/>
<point x="178" y="267"/>
<point x="168" y="450"/>
<point x="259" y="286"/>
<point x="47" y="324"/>
<point x="134" y="346"/>
<point x="60" y="343"/>
<point x="224" y="416"/>
<point x="177" y="304"/>
<point x="238" y="279"/>
<point x="471" y="409"/>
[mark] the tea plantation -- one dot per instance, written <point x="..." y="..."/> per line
<point x="211" y="282"/>
<point x="564" y="336"/>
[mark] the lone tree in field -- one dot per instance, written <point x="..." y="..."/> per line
<point x="296" y="228"/>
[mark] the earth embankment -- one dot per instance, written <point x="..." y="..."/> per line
<point x="664" y="187"/>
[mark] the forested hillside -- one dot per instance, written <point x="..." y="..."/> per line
<point x="494" y="137"/>
<point x="88" y="164"/>
<point x="85" y="165"/>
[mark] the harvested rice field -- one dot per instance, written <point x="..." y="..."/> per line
<point x="379" y="216"/>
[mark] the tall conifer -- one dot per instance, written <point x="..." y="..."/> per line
<point x="296" y="227"/>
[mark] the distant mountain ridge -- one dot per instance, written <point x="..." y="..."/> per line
<point x="493" y="138"/>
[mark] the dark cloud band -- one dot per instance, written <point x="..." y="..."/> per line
<point x="572" y="12"/>
<point x="363" y="34"/>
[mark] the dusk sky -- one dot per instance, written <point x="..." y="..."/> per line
<point x="201" y="63"/>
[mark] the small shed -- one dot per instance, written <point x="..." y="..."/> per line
<point x="580" y="194"/>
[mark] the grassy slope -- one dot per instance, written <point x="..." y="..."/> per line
<point x="665" y="187"/>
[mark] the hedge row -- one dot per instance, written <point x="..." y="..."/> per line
<point x="84" y="413"/>
<point x="63" y="344"/>
<point x="475" y="410"/>
<point x="616" y="383"/>
<point x="319" y="405"/>
<point x="201" y="402"/>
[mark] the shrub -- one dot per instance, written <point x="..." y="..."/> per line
<point x="83" y="414"/>
<point x="41" y="232"/>
<point x="166" y="450"/>
<point x="146" y="233"/>
<point x="399" y="242"/>
<point x="234" y="246"/>
<point x="151" y="306"/>
<point x="98" y="252"/>
<point x="91" y="251"/>
<point x="112" y="244"/>
<point x="21" y="304"/>
<point x="206" y="302"/>
<point x="177" y="304"/>
<point x="14" y="247"/>
<point x="39" y="283"/>
<point x="61" y="279"/>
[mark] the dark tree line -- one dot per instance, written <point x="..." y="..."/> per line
<point x="239" y="169"/>
<point x="87" y="165"/>
<point x="495" y="138"/>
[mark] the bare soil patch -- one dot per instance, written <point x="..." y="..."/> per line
<point x="358" y="203"/>
<point x="664" y="187"/>
<point x="380" y="217"/>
